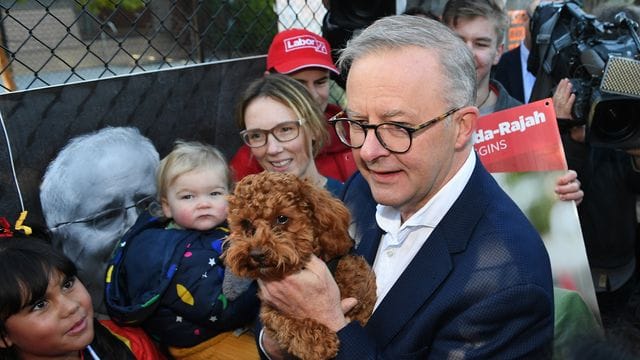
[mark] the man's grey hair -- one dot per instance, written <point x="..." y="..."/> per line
<point x="55" y="191"/>
<point x="402" y="31"/>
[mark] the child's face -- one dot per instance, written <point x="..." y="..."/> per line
<point x="197" y="199"/>
<point x="59" y="325"/>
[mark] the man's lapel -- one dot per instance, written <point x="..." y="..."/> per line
<point x="433" y="262"/>
<point x="425" y="273"/>
<point x="369" y="248"/>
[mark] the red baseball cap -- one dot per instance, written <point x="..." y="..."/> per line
<point x="295" y="49"/>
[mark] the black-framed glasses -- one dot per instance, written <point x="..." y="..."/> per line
<point x="283" y="132"/>
<point x="395" y="137"/>
<point x="109" y="216"/>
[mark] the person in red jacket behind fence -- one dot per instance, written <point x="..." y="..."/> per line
<point x="306" y="57"/>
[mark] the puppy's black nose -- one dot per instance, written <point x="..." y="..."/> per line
<point x="257" y="255"/>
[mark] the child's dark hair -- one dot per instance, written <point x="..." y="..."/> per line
<point x="26" y="266"/>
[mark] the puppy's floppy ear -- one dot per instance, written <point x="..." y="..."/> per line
<point x="330" y="219"/>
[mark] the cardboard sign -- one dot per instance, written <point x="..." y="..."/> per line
<point x="524" y="138"/>
<point x="522" y="149"/>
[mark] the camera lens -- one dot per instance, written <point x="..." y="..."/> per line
<point x="614" y="120"/>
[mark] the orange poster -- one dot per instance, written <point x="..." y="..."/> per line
<point x="517" y="29"/>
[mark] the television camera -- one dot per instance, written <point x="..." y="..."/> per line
<point x="601" y="59"/>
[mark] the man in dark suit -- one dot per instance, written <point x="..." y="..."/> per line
<point x="509" y="72"/>
<point x="460" y="272"/>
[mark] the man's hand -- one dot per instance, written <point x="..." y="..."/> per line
<point x="563" y="100"/>
<point x="273" y="349"/>
<point x="310" y="293"/>
<point x="568" y="187"/>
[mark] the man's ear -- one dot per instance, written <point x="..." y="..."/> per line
<point x="465" y="120"/>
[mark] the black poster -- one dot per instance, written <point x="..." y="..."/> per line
<point x="190" y="103"/>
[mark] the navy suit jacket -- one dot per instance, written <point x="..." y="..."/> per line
<point x="480" y="286"/>
<point x="508" y="72"/>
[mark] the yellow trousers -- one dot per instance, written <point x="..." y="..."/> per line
<point x="226" y="346"/>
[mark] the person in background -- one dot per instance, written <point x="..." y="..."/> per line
<point x="460" y="271"/>
<point x="46" y="312"/>
<point x="482" y="25"/>
<point x="345" y="19"/>
<point x="305" y="57"/>
<point x="609" y="176"/>
<point x="611" y="182"/>
<point x="178" y="294"/>
<point x="512" y="70"/>
<point x="91" y="194"/>
<point x="284" y="128"/>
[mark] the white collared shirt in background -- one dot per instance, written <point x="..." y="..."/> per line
<point x="528" y="79"/>
<point x="401" y="242"/>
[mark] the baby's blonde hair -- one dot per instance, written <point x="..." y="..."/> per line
<point x="187" y="156"/>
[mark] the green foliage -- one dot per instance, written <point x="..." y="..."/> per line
<point x="95" y="6"/>
<point x="537" y="210"/>
<point x="241" y="27"/>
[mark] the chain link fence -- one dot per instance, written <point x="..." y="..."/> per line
<point x="49" y="42"/>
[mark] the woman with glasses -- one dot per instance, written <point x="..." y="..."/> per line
<point x="284" y="128"/>
<point x="290" y="54"/>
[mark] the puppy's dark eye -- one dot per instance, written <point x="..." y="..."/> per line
<point x="247" y="227"/>
<point x="281" y="219"/>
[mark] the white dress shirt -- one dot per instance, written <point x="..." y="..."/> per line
<point x="402" y="241"/>
<point x="528" y="79"/>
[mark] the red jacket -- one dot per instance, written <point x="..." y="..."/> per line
<point x="334" y="160"/>
<point x="138" y="342"/>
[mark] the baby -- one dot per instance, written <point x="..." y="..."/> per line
<point x="166" y="273"/>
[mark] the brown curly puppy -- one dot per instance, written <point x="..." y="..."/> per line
<point x="277" y="221"/>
